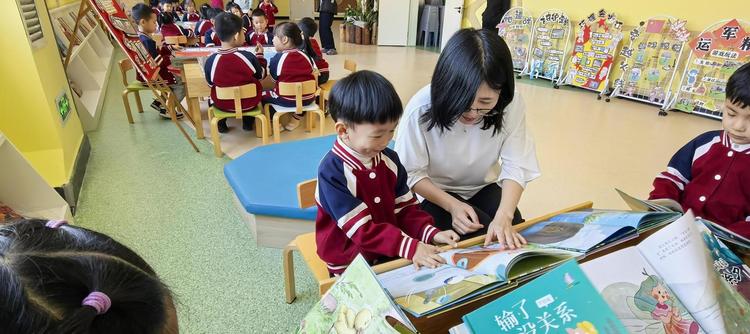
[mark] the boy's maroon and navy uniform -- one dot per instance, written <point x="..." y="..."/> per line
<point x="232" y="67"/>
<point x="168" y="30"/>
<point x="270" y="9"/>
<point x="247" y="22"/>
<point x="366" y="208"/>
<point x="165" y="52"/>
<point x="289" y="66"/>
<point x="321" y="63"/>
<point x="202" y="26"/>
<point x="211" y="38"/>
<point x="711" y="176"/>
<point x="191" y="17"/>
<point x="253" y="38"/>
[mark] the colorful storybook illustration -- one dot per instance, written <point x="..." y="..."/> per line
<point x="667" y="284"/>
<point x="560" y="301"/>
<point x="468" y="273"/>
<point x="355" y="304"/>
<point x="587" y="231"/>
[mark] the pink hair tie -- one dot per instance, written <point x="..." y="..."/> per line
<point x="56" y="223"/>
<point x="97" y="300"/>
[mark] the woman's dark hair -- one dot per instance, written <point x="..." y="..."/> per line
<point x="470" y="58"/>
<point x="227" y="25"/>
<point x="308" y="31"/>
<point x="738" y="86"/>
<point x="204" y="10"/>
<point x="45" y="274"/>
<point x="364" y="97"/>
<point x="165" y="18"/>
<point x="291" y="30"/>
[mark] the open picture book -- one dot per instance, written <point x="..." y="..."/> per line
<point x="718" y="230"/>
<point x="667" y="284"/>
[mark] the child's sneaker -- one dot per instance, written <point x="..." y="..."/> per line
<point x="222" y="126"/>
<point x="293" y="123"/>
<point x="165" y="114"/>
<point x="157" y="105"/>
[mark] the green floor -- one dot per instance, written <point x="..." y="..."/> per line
<point x="147" y="188"/>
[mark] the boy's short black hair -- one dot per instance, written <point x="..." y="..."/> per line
<point x="738" y="86"/>
<point x="308" y="26"/>
<point x="166" y="18"/>
<point x="165" y="1"/>
<point x="364" y="97"/>
<point x="212" y="12"/>
<point x="227" y="25"/>
<point x="233" y="5"/>
<point x="258" y="13"/>
<point x="141" y="11"/>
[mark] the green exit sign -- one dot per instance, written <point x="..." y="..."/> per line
<point x="63" y="105"/>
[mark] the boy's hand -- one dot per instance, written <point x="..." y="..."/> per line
<point x="426" y="256"/>
<point x="446" y="237"/>
<point x="258" y="48"/>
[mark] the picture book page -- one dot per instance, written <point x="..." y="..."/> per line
<point x="566" y="235"/>
<point x="408" y="280"/>
<point x="682" y="260"/>
<point x="494" y="261"/>
<point x="637" y="294"/>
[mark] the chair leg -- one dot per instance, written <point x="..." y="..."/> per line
<point x="276" y="127"/>
<point x="127" y="106"/>
<point x="288" y="259"/>
<point x="263" y="128"/>
<point x="321" y="125"/>
<point x="215" y="137"/>
<point x="308" y="123"/>
<point x="323" y="102"/>
<point x="138" y="101"/>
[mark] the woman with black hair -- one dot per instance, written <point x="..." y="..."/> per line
<point x="464" y="143"/>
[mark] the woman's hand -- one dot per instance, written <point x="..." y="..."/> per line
<point x="446" y="237"/>
<point x="465" y="219"/>
<point x="502" y="228"/>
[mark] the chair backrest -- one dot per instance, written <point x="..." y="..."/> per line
<point x="350" y="65"/>
<point x="298" y="89"/>
<point x="125" y="66"/>
<point x="175" y="40"/>
<point x="237" y="93"/>
<point x="306" y="193"/>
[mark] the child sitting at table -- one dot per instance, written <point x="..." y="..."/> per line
<point x="146" y="20"/>
<point x="230" y="67"/>
<point x="206" y="23"/>
<point x="268" y="7"/>
<point x="166" y="7"/>
<point x="259" y="34"/>
<point x="178" y="9"/>
<point x="169" y="28"/>
<point x="311" y="47"/>
<point x="289" y="64"/>
<point x="711" y="174"/>
<point x="59" y="278"/>
<point x="190" y="14"/>
<point x="210" y="38"/>
<point x="364" y="204"/>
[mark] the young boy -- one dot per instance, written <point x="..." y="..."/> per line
<point x="230" y="67"/>
<point x="168" y="27"/>
<point x="711" y="174"/>
<point x="270" y="9"/>
<point x="210" y="38"/>
<point x="259" y="34"/>
<point x="166" y="7"/>
<point x="309" y="28"/>
<point x="206" y="22"/>
<point x="364" y="203"/>
<point x="146" y="20"/>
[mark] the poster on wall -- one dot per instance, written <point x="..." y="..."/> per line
<point x="649" y="62"/>
<point x="715" y="54"/>
<point x="123" y="30"/>
<point x="516" y="28"/>
<point x="549" y="46"/>
<point x="596" y="42"/>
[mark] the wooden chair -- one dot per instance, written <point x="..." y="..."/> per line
<point x="325" y="88"/>
<point x="236" y="93"/>
<point x="298" y="89"/>
<point x="307" y="247"/>
<point x="130" y="87"/>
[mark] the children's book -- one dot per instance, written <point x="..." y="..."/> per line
<point x="588" y="231"/>
<point x="726" y="263"/>
<point x="718" y="230"/>
<point x="356" y="304"/>
<point x="667" y="284"/>
<point x="468" y="273"/>
<point x="560" y="301"/>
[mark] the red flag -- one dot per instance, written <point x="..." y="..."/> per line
<point x="654" y="26"/>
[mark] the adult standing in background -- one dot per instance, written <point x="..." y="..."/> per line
<point x="494" y="13"/>
<point x="246" y="5"/>
<point x="328" y="8"/>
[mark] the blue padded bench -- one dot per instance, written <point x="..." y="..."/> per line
<point x="265" y="181"/>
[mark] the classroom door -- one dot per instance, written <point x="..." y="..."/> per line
<point x="453" y="14"/>
<point x="393" y="25"/>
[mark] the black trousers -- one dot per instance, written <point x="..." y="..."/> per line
<point x="326" y="35"/>
<point x="485" y="204"/>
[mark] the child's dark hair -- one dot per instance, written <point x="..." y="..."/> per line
<point x="213" y="12"/>
<point x="290" y="30"/>
<point x="140" y="12"/>
<point x="231" y="5"/>
<point x="166" y="18"/>
<point x="364" y="97"/>
<point x="227" y="25"/>
<point x="308" y="26"/>
<point x="738" y="86"/>
<point x="165" y="2"/>
<point x="305" y="26"/>
<point x="186" y="2"/>
<point x="470" y="58"/>
<point x="258" y="13"/>
<point x="204" y="10"/>
<point x="46" y="272"/>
